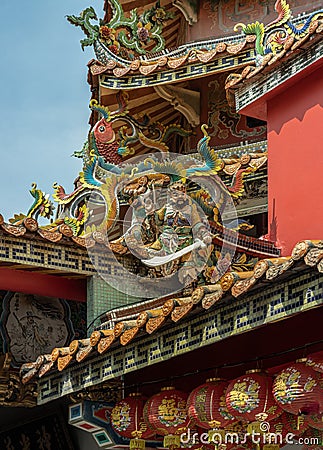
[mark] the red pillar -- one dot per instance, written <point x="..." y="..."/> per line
<point x="295" y="162"/>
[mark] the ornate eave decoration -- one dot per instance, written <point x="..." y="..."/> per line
<point x="127" y="36"/>
<point x="275" y="41"/>
<point x="244" y="94"/>
<point x="201" y="58"/>
<point x="184" y="100"/>
<point x="109" y="392"/>
<point x="139" y="329"/>
<point x="106" y="171"/>
<point x="281" y="33"/>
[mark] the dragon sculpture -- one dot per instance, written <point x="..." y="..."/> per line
<point x="271" y="38"/>
<point x="105" y="166"/>
<point x="84" y="21"/>
<point x="127" y="36"/>
<point x="94" y="208"/>
<point x="113" y="182"/>
<point x="109" y="177"/>
<point x="41" y="206"/>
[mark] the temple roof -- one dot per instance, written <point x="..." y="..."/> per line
<point x="204" y="52"/>
<point x="63" y="237"/>
<point x="67" y="231"/>
<point x="187" y="54"/>
<point x="279" y="60"/>
<point x="123" y="325"/>
<point x="163" y="76"/>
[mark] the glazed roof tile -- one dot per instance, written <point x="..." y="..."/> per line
<point x="30" y="228"/>
<point x="269" y="62"/>
<point x="205" y="51"/>
<point x="124" y="324"/>
<point x="195" y="52"/>
<point x="63" y="235"/>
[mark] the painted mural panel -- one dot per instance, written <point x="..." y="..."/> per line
<point x="32" y="325"/>
<point x="225" y="125"/>
<point x="218" y="17"/>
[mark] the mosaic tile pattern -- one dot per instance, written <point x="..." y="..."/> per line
<point x="56" y="256"/>
<point x="183" y="73"/>
<point x="102" y="298"/>
<point x="247" y="94"/>
<point x="266" y="306"/>
<point x="69" y="259"/>
<point x="50" y="256"/>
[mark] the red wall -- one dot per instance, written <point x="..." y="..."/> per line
<point x="295" y="166"/>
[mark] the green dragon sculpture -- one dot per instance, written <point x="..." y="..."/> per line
<point x="83" y="20"/>
<point x="129" y="36"/>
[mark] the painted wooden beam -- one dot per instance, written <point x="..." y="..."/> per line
<point x="29" y="282"/>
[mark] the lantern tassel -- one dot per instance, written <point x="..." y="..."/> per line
<point x="172" y="441"/>
<point x="300" y="421"/>
<point x="137" y="444"/>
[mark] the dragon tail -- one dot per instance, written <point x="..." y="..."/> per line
<point x="237" y="188"/>
<point x="108" y="190"/>
<point x="300" y="32"/>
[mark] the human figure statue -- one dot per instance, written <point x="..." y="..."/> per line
<point x="171" y="239"/>
<point x="179" y="223"/>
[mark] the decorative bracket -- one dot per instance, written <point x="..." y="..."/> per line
<point x="188" y="8"/>
<point x="184" y="100"/>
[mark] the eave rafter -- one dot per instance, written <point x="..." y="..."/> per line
<point x="184" y="100"/>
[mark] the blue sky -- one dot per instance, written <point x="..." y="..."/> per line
<point x="44" y="98"/>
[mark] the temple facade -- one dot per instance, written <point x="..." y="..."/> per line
<point x="191" y="247"/>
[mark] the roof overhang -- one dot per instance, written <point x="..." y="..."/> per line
<point x="252" y="96"/>
<point x="296" y="292"/>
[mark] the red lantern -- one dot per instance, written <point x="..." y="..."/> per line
<point x="297" y="390"/>
<point x="127" y="420"/>
<point x="206" y="405"/>
<point x="229" y="446"/>
<point x="166" y="413"/>
<point x="238" y="447"/>
<point x="278" y="432"/>
<point x="194" y="438"/>
<point x="315" y="361"/>
<point x="236" y="437"/>
<point x="249" y="398"/>
<point x="283" y="429"/>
